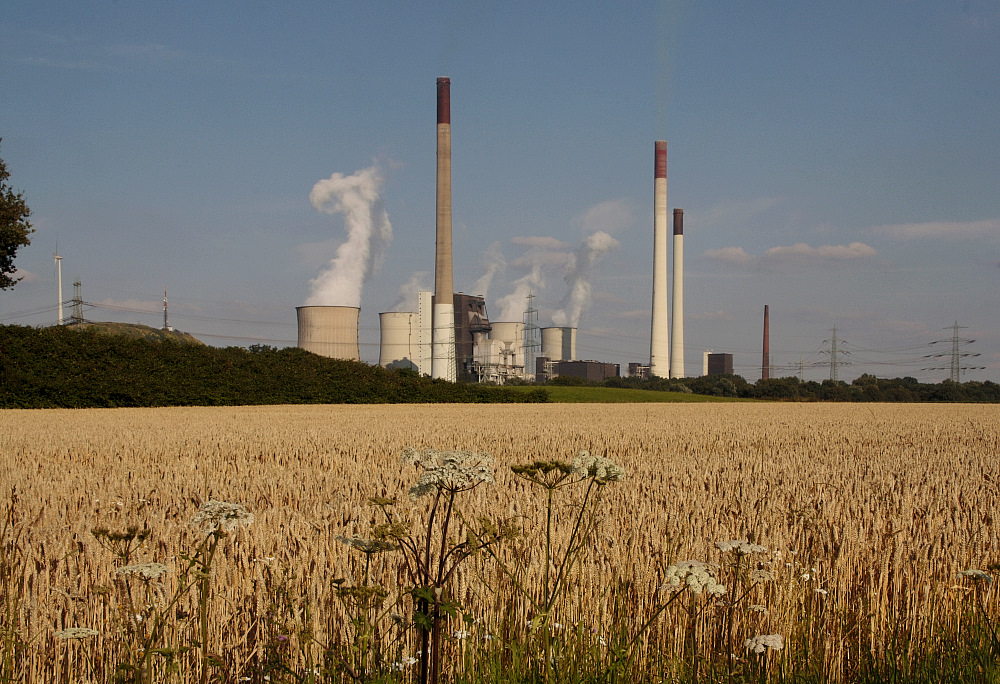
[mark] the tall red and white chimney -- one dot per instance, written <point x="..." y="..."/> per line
<point x="677" y="312"/>
<point x="443" y="332"/>
<point x="659" y="347"/>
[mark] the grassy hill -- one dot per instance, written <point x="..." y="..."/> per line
<point x="136" y="331"/>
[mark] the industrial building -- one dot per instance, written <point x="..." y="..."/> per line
<point x="720" y="364"/>
<point x="592" y="371"/>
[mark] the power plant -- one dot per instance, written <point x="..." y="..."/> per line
<point x="450" y="335"/>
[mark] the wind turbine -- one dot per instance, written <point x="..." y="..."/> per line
<point x="58" y="262"/>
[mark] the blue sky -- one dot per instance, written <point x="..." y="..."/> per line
<point x="839" y="162"/>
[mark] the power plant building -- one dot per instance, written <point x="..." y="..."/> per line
<point x="720" y="364"/>
<point x="592" y="371"/>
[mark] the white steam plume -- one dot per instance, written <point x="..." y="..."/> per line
<point x="493" y="261"/>
<point x="409" y="291"/>
<point x="513" y="305"/>
<point x="368" y="233"/>
<point x="577" y="275"/>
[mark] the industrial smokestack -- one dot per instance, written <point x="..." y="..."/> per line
<point x="443" y="341"/>
<point x="677" y="315"/>
<point x="765" y="362"/>
<point x="659" y="360"/>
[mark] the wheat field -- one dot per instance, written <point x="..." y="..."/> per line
<point x="868" y="512"/>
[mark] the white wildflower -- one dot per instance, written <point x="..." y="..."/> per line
<point x="977" y="575"/>
<point x="401" y="665"/>
<point x="741" y="546"/>
<point x="148" y="571"/>
<point x="448" y="470"/>
<point x="762" y="642"/>
<point x="71" y="633"/>
<point x="460" y="634"/>
<point x="761" y="575"/>
<point x="824" y="592"/>
<point x="694" y="574"/>
<point x="602" y="469"/>
<point x="222" y="516"/>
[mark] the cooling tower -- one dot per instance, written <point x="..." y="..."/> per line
<point x="443" y="344"/>
<point x="677" y="312"/>
<point x="659" y="350"/>
<point x="330" y="331"/>
<point x="559" y="344"/>
<point x="510" y="337"/>
<point x="399" y="340"/>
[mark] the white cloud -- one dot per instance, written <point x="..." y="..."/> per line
<point x="732" y="255"/>
<point x="953" y="230"/>
<point x="25" y="276"/>
<point x="798" y="253"/>
<point x="855" y="250"/>
<point x="610" y="216"/>
<point x="539" y="242"/>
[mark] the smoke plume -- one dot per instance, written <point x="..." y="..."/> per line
<point x="368" y="233"/>
<point x="493" y="261"/>
<point x="513" y="305"/>
<point x="410" y="291"/>
<point x="577" y="275"/>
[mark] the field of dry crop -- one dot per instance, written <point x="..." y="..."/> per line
<point x="868" y="512"/>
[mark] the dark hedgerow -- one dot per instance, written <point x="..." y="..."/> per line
<point x="61" y="367"/>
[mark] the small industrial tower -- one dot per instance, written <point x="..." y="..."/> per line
<point x="531" y="341"/>
<point x="166" y="325"/>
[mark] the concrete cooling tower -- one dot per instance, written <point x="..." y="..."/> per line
<point x="399" y="343"/>
<point x="559" y="344"/>
<point x="330" y="331"/>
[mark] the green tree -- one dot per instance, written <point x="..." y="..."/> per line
<point x="14" y="228"/>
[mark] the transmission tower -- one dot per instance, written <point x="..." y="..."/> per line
<point x="531" y="341"/>
<point x="956" y="354"/>
<point x="77" y="302"/>
<point x="835" y="352"/>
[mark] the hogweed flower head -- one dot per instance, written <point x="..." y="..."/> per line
<point x="222" y="516"/>
<point x="762" y="642"/>
<point x="696" y="575"/>
<point x="977" y="575"/>
<point x="601" y="468"/>
<point x="71" y="633"/>
<point x="368" y="546"/>
<point x="145" y="571"/>
<point x="741" y="546"/>
<point x="448" y="470"/>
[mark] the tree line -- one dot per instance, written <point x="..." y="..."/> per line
<point x="60" y="367"/>
<point x="864" y="388"/>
